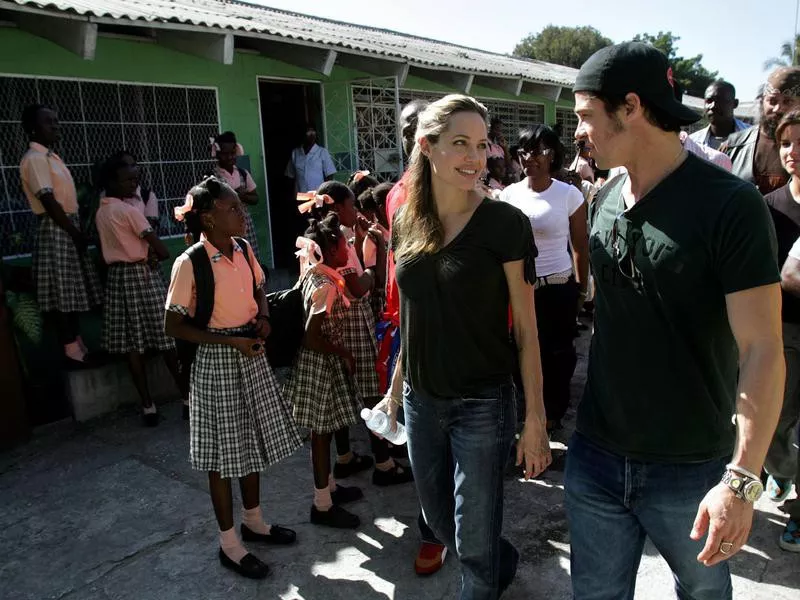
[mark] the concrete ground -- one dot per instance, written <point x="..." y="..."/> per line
<point x="110" y="510"/>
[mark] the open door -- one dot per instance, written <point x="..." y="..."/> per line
<point x="286" y="107"/>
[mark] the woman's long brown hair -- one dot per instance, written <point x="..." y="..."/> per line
<point x="417" y="226"/>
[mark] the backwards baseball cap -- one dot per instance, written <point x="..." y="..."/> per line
<point x="634" y="67"/>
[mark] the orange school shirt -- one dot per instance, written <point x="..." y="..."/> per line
<point x="234" y="305"/>
<point x="43" y="171"/>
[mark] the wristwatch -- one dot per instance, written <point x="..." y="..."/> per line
<point x="746" y="488"/>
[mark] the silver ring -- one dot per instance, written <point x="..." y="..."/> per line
<point x="726" y="547"/>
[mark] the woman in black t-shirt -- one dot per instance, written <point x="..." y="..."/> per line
<point x="460" y="260"/>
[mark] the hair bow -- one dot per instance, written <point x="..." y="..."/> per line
<point x="309" y="253"/>
<point x="215" y="148"/>
<point x="312" y="200"/>
<point x="180" y="211"/>
<point x="359" y="175"/>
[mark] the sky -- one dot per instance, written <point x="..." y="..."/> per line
<point x="735" y="37"/>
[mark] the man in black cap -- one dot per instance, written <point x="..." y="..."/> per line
<point x="754" y="151"/>
<point x="682" y="252"/>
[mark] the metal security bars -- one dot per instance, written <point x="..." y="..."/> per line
<point x="515" y="115"/>
<point x="376" y="110"/>
<point x="166" y="127"/>
<point x="566" y="118"/>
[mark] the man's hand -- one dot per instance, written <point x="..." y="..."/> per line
<point x="727" y="519"/>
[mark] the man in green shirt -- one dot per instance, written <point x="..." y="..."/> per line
<point x="683" y="254"/>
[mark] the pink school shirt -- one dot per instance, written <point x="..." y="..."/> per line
<point x="234" y="305"/>
<point x="42" y="171"/>
<point x="122" y="228"/>
<point x="235" y="180"/>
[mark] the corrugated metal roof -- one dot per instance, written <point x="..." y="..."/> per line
<point x="239" y="16"/>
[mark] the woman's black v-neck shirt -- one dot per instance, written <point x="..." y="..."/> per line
<point x="454" y="305"/>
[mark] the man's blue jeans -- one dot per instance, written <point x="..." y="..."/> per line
<point x="614" y="502"/>
<point x="458" y="449"/>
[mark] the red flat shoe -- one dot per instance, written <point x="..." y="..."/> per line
<point x="430" y="558"/>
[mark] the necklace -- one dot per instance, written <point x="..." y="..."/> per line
<point x="673" y="166"/>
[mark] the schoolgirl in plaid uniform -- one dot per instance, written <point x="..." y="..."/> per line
<point x="225" y="149"/>
<point x="321" y="384"/>
<point x="133" y="320"/>
<point x="372" y="204"/>
<point x="359" y="334"/>
<point x="239" y="422"/>
<point x="65" y="277"/>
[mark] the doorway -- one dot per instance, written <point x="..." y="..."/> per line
<point x="286" y="107"/>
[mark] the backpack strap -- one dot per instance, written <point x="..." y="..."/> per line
<point x="246" y="250"/>
<point x="203" y="283"/>
<point x="242" y="176"/>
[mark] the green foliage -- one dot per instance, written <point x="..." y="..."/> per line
<point x="688" y="72"/>
<point x="26" y="317"/>
<point x="785" y="59"/>
<point x="569" y="46"/>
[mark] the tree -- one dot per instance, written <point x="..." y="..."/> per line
<point x="785" y="58"/>
<point x="569" y="46"/>
<point x="692" y="76"/>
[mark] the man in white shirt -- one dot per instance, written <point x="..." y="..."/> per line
<point x="720" y="102"/>
<point x="310" y="165"/>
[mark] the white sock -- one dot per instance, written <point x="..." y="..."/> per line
<point x="231" y="545"/>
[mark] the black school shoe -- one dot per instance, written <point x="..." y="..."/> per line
<point x="250" y="566"/>
<point x="356" y="465"/>
<point x="150" y="420"/>
<point x="394" y="476"/>
<point x="343" y="495"/>
<point x="277" y="536"/>
<point x="335" y="517"/>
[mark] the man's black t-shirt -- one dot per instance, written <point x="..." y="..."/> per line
<point x="663" y="363"/>
<point x="454" y="305"/>
<point x="786" y="216"/>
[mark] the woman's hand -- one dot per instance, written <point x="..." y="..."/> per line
<point x="389" y="406"/>
<point x="248" y="346"/>
<point x="534" y="448"/>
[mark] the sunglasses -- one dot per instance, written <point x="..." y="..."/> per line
<point x="624" y="260"/>
<point x="535" y="153"/>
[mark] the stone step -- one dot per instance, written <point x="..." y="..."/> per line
<point x="98" y="391"/>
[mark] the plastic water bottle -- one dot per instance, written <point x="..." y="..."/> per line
<point x="378" y="421"/>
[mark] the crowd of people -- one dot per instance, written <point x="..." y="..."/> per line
<point x="479" y="260"/>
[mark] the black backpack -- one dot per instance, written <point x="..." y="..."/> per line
<point x="287" y="314"/>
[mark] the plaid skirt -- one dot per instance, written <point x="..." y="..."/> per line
<point x="239" y="422"/>
<point x="359" y="337"/>
<point x="65" y="280"/>
<point x="324" y="396"/>
<point x="133" y="316"/>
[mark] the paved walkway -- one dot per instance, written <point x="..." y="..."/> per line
<point x="112" y="511"/>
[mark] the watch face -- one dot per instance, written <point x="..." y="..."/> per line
<point x="753" y="491"/>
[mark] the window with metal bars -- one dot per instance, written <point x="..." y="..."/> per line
<point x="569" y="123"/>
<point x="167" y="128"/>
<point x="515" y="115"/>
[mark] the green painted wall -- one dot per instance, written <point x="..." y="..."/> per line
<point x="133" y="61"/>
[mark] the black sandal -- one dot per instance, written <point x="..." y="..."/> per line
<point x="250" y="566"/>
<point x="357" y="464"/>
<point x="277" y="536"/>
